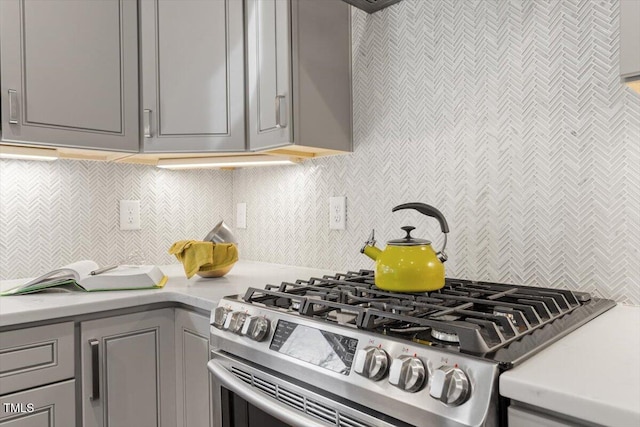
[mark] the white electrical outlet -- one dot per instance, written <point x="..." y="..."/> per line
<point x="241" y="215"/>
<point x="337" y="213"/>
<point x="129" y="214"/>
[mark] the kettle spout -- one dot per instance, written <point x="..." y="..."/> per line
<point x="372" y="252"/>
<point x="369" y="248"/>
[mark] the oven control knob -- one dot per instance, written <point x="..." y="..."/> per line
<point x="450" y="385"/>
<point x="371" y="362"/>
<point x="220" y="316"/>
<point x="407" y="373"/>
<point x="255" y="327"/>
<point x="235" y="322"/>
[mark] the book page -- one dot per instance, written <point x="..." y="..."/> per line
<point x="74" y="271"/>
<point x="124" y="277"/>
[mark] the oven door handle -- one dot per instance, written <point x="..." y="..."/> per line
<point x="270" y="406"/>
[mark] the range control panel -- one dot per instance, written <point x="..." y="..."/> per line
<point x="320" y="348"/>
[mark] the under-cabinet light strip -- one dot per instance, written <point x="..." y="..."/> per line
<point x="28" y="153"/>
<point x="223" y="162"/>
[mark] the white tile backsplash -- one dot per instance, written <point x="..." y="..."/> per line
<point x="55" y="213"/>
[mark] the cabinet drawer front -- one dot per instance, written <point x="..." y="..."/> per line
<point x="50" y="406"/>
<point x="35" y="356"/>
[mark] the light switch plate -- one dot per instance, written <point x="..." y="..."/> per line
<point x="337" y="213"/>
<point x="241" y="215"/>
<point x="129" y="214"/>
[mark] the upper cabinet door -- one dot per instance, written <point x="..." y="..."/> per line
<point x="69" y="71"/>
<point x="192" y="75"/>
<point x="269" y="73"/>
<point x="629" y="38"/>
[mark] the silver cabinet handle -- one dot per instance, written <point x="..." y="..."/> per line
<point x="256" y="398"/>
<point x="13" y="107"/>
<point x="281" y="118"/>
<point x="147" y="123"/>
<point x="95" y="369"/>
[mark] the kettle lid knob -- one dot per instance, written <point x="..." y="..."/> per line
<point x="408" y="229"/>
<point x="408" y="240"/>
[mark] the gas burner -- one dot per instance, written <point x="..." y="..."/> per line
<point x="447" y="337"/>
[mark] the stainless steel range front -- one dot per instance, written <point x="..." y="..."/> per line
<point x="337" y="351"/>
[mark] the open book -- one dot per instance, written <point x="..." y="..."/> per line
<point x="78" y="276"/>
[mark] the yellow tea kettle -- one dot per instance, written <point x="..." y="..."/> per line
<point x="409" y="264"/>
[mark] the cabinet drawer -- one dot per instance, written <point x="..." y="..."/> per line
<point x="48" y="406"/>
<point x="35" y="356"/>
<point x="522" y="417"/>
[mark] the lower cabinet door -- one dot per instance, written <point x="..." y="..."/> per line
<point x="128" y="370"/>
<point x="48" y="406"/>
<point x="194" y="404"/>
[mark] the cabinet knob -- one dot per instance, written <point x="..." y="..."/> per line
<point x="94" y="345"/>
<point x="147" y="123"/>
<point x="13" y="107"/>
<point x="281" y="111"/>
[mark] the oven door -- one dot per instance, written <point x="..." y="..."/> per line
<point x="248" y="397"/>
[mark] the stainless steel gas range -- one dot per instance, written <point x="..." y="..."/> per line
<point x="337" y="351"/>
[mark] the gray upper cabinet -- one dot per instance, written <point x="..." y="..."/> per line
<point x="192" y="75"/>
<point x="269" y="72"/>
<point x="70" y="73"/>
<point x="299" y="73"/>
<point x="630" y="38"/>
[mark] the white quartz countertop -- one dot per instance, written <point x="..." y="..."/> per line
<point x="592" y="374"/>
<point x="196" y="292"/>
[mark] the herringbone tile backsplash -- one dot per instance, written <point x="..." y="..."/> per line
<point x="507" y="115"/>
<point x="55" y="213"/>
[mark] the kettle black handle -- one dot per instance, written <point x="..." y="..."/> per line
<point x="427" y="210"/>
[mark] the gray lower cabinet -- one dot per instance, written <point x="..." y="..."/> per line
<point x="192" y="75"/>
<point x="48" y="406"/>
<point x="195" y="407"/>
<point x="69" y="72"/>
<point x="31" y="357"/>
<point x="128" y="370"/>
<point x="298" y="73"/>
<point x="37" y="388"/>
<point x="521" y="415"/>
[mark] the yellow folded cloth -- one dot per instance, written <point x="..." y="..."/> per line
<point x="195" y="254"/>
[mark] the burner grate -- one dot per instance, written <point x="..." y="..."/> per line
<point x="481" y="316"/>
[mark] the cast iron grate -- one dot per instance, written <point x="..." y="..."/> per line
<point x="476" y="317"/>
